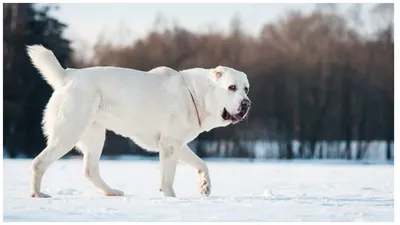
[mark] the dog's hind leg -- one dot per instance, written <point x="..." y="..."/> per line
<point x="40" y="164"/>
<point x="65" y="119"/>
<point x="91" y="145"/>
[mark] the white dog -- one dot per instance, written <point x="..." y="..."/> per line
<point x="160" y="110"/>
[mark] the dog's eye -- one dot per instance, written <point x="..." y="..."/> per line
<point x="232" y="88"/>
<point x="246" y="89"/>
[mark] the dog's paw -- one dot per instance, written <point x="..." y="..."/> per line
<point x="39" y="195"/>
<point x="168" y="192"/>
<point x="114" y="192"/>
<point x="204" y="183"/>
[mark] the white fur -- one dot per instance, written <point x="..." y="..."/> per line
<point x="152" y="108"/>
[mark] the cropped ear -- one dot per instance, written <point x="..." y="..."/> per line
<point x="218" y="72"/>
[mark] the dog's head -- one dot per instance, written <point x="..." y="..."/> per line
<point x="230" y="94"/>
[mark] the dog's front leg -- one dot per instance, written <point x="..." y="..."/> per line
<point x="186" y="155"/>
<point x="168" y="162"/>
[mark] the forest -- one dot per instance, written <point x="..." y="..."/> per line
<point x="321" y="83"/>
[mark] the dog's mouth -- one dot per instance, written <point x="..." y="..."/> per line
<point x="234" y="118"/>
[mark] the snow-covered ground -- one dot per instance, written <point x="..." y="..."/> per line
<point x="241" y="191"/>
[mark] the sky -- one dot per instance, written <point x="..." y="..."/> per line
<point x="122" y="23"/>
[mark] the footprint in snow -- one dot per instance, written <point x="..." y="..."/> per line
<point x="68" y="191"/>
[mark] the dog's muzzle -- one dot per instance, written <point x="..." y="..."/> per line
<point x="243" y="110"/>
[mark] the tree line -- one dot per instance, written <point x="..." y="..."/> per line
<point x="25" y="93"/>
<point x="314" y="77"/>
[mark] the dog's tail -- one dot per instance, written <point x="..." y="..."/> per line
<point x="47" y="64"/>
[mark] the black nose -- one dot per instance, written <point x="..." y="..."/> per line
<point x="245" y="104"/>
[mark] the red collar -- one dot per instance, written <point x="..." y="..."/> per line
<point x="194" y="102"/>
<point x="195" y="106"/>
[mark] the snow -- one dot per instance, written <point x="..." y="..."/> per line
<point x="241" y="191"/>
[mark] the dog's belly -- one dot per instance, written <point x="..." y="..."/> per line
<point x="147" y="142"/>
<point x="145" y="136"/>
<point x="144" y="127"/>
